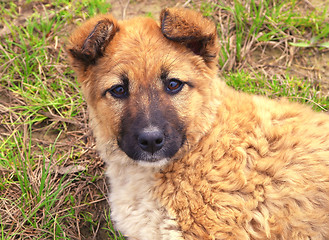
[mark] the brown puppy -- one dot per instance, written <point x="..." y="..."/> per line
<point x="188" y="157"/>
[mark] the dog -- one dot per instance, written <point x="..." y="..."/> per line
<point x="187" y="156"/>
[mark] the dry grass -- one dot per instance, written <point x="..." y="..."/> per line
<point x="279" y="41"/>
<point x="52" y="182"/>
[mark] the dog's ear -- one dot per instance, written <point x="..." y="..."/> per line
<point x="191" y="29"/>
<point x="89" y="41"/>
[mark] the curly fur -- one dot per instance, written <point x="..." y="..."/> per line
<point x="261" y="173"/>
<point x="250" y="168"/>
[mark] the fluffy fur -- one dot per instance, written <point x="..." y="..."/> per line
<point x="248" y="168"/>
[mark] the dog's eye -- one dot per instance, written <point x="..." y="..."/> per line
<point x="118" y="91"/>
<point x="174" y="86"/>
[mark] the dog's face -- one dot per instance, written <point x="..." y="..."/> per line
<point x="148" y="87"/>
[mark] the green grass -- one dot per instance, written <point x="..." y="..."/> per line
<point x="52" y="184"/>
<point x="35" y="202"/>
<point x="290" y="87"/>
<point x="282" y="29"/>
<point x="31" y="56"/>
<point x="42" y="108"/>
<point x="269" y="21"/>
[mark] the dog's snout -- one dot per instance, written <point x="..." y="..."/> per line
<point x="151" y="141"/>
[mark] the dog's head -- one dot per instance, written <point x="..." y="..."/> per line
<point x="149" y="88"/>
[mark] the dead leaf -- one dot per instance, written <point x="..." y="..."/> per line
<point x="69" y="169"/>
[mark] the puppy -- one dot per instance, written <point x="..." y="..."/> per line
<point x="188" y="157"/>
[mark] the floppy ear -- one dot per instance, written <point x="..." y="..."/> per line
<point x="89" y="41"/>
<point x="193" y="30"/>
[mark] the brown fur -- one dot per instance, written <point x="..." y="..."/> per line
<point x="260" y="174"/>
<point x="249" y="168"/>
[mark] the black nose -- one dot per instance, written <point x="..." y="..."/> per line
<point x="151" y="141"/>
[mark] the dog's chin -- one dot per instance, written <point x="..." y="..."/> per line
<point x="156" y="163"/>
<point x="151" y="160"/>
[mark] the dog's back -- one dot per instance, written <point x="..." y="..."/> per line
<point x="261" y="173"/>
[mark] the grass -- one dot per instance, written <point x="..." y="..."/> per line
<point x="47" y="163"/>
<point x="265" y="46"/>
<point x="52" y="183"/>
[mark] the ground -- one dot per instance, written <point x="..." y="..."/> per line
<point x="52" y="183"/>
